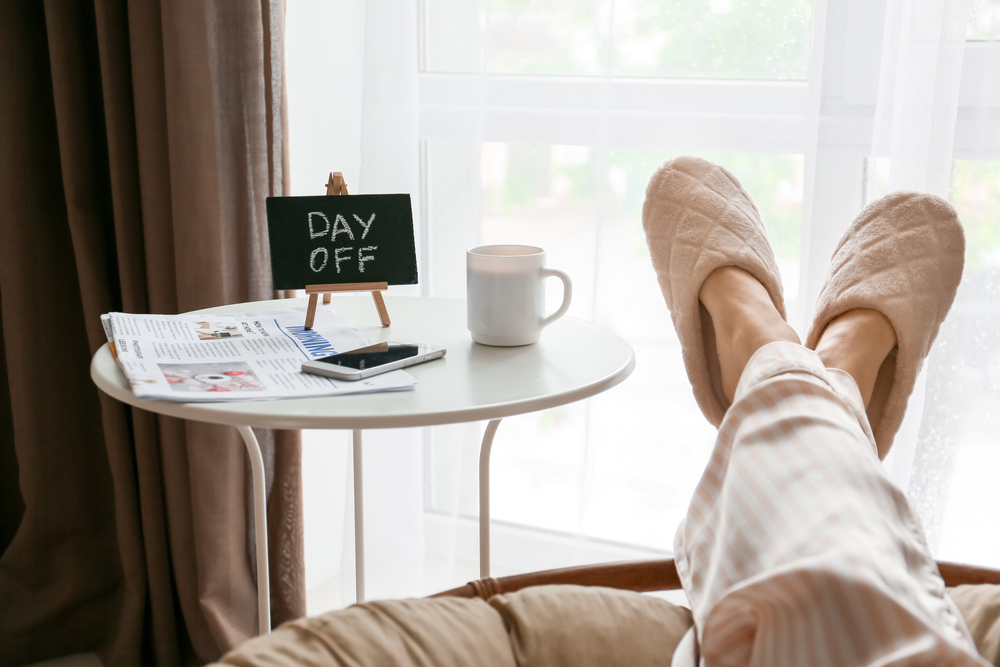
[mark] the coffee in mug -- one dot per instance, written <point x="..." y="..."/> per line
<point x="506" y="294"/>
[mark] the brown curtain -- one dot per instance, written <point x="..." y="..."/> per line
<point x="139" y="140"/>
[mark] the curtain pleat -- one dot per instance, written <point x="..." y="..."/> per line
<point x="60" y="576"/>
<point x="139" y="142"/>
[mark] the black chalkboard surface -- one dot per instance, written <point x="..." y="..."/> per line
<point x="341" y="239"/>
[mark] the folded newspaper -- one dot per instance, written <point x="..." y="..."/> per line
<point x="236" y="356"/>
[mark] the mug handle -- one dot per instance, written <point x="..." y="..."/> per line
<point x="567" y="294"/>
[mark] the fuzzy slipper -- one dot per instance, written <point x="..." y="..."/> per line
<point x="698" y="218"/>
<point x="903" y="257"/>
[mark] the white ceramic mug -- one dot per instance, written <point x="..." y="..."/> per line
<point x="506" y="294"/>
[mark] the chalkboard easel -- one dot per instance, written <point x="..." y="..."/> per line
<point x="336" y="185"/>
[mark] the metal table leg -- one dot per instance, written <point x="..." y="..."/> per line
<point x="260" y="529"/>
<point x="484" y="498"/>
<point x="359" y="519"/>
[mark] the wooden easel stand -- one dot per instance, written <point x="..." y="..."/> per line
<point x="336" y="186"/>
<point x="375" y="288"/>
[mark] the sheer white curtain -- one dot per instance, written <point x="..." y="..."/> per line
<point x="540" y="121"/>
<point x="352" y="74"/>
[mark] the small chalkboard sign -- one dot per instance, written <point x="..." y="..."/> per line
<point x="342" y="239"/>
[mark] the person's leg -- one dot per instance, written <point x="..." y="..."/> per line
<point x="797" y="549"/>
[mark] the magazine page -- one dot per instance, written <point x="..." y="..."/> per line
<point x="237" y="356"/>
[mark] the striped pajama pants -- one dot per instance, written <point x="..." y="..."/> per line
<point x="797" y="549"/>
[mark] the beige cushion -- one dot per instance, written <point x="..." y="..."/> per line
<point x="547" y="626"/>
<point x="580" y="626"/>
<point x="980" y="607"/>
<point x="439" y="632"/>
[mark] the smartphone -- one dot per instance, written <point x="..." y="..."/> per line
<point x="372" y="360"/>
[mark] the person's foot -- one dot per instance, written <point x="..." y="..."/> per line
<point x="744" y="319"/>
<point x="858" y="341"/>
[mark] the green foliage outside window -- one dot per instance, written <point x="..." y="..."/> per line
<point x="715" y="39"/>
<point x="975" y="193"/>
<point x="984" y="20"/>
<point x="773" y="180"/>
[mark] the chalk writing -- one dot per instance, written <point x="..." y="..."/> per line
<point x="338" y="259"/>
<point x="340" y="226"/>
<point x="312" y="232"/>
<point x="312" y="259"/>
<point x="366" y="225"/>
<point x="362" y="257"/>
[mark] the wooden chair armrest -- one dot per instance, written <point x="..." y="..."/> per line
<point x="655" y="575"/>
<point x="956" y="574"/>
<point x="641" y="576"/>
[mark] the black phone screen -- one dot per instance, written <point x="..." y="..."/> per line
<point x="373" y="355"/>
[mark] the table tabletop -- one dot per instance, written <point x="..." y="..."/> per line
<point x="573" y="360"/>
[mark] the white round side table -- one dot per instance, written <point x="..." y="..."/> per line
<point x="572" y="361"/>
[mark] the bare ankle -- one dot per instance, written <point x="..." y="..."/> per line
<point x="744" y="319"/>
<point x="858" y="342"/>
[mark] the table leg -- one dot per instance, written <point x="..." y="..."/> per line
<point x="484" y="498"/>
<point x="359" y="519"/>
<point x="260" y="528"/>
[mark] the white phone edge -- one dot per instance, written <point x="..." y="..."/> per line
<point x="353" y="375"/>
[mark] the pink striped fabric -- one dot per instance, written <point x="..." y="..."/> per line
<point x="797" y="549"/>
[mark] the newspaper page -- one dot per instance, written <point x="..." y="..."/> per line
<point x="237" y="356"/>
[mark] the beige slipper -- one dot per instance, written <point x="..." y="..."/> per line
<point x="698" y="218"/>
<point x="903" y="257"/>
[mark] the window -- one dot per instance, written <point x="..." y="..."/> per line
<point x="540" y="121"/>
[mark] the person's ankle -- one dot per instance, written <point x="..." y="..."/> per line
<point x="744" y="319"/>
<point x="858" y="342"/>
